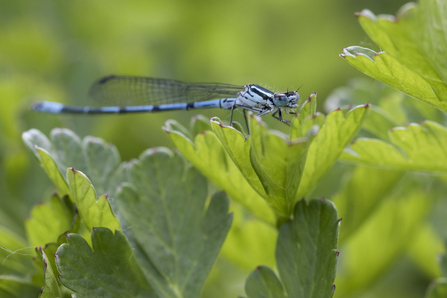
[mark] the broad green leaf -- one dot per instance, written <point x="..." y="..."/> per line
<point x="414" y="44"/>
<point x="305" y="253"/>
<point x="363" y="193"/>
<point x="263" y="283"/>
<point x="306" y="250"/>
<point x="15" y="253"/>
<point x="107" y="269"/>
<point x="437" y="289"/>
<point x="384" y="237"/>
<point x="164" y="208"/>
<point x="94" y="213"/>
<point x="423" y="145"/>
<point x="100" y="161"/>
<point x="328" y="144"/>
<point x="15" y="287"/>
<point x="208" y="156"/>
<point x="48" y="221"/>
<point x="51" y="288"/>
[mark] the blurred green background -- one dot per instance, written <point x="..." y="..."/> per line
<point x="54" y="50"/>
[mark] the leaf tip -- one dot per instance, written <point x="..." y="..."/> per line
<point x="337" y="253"/>
<point x="339" y="220"/>
<point x="94" y="228"/>
<point x="56" y="256"/>
<point x="367" y="105"/>
<point x="322" y="200"/>
<point x="73" y="170"/>
<point x="202" y="132"/>
<point x="59" y="276"/>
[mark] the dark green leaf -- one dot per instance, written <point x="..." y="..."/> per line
<point x="107" y="269"/>
<point x="164" y="208"/>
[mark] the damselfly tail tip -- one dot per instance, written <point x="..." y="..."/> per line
<point x="47" y="107"/>
<point x="37" y="106"/>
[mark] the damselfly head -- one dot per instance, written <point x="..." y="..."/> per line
<point x="287" y="99"/>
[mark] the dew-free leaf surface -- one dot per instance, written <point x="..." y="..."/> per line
<point x="94" y="212"/>
<point x="177" y="237"/>
<point x="107" y="269"/>
<point x="414" y="46"/>
<point x="208" y="156"/>
<point x="419" y="147"/>
<point x="306" y="255"/>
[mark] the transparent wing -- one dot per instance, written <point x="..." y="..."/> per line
<point x="131" y="90"/>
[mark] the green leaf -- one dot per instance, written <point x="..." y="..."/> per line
<point x="51" y="288"/>
<point x="423" y="146"/>
<point x="51" y="168"/>
<point x="100" y="161"/>
<point x="263" y="283"/>
<point x="278" y="164"/>
<point x="48" y="221"/>
<point x="107" y="269"/>
<point x="208" y="156"/>
<point x="384" y="238"/>
<point x="415" y="46"/>
<point x="306" y="250"/>
<point x="365" y="190"/>
<point x="305" y="253"/>
<point x="381" y="66"/>
<point x="164" y="208"/>
<point x="437" y="289"/>
<point x="94" y="213"/>
<point x="15" y="287"/>
<point x="328" y="144"/>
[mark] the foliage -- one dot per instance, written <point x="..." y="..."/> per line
<point x="156" y="227"/>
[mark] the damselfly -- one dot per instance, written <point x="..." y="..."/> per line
<point x="130" y="94"/>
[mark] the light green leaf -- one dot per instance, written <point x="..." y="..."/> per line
<point x="384" y="237"/>
<point x="94" y="213"/>
<point x="208" y="156"/>
<point x="279" y="165"/>
<point x="48" y="221"/>
<point x="328" y="144"/>
<point x="107" y="269"/>
<point x="263" y="283"/>
<point x="51" y="288"/>
<point x="15" y="287"/>
<point x="381" y="66"/>
<point x="50" y="167"/>
<point x="363" y="193"/>
<point x="437" y="289"/>
<point x="425" y="249"/>
<point x="415" y="46"/>
<point x="164" y="208"/>
<point x="423" y="145"/>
